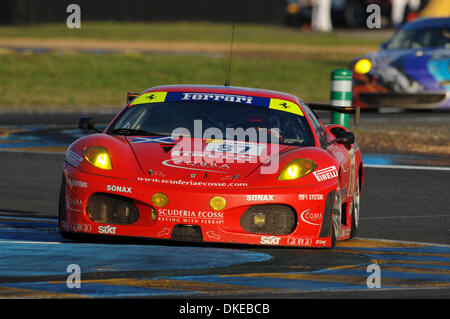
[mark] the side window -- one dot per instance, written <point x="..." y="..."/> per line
<point x="320" y="131"/>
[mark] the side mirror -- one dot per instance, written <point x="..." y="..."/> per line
<point x="342" y="137"/>
<point x="346" y="138"/>
<point x="383" y="46"/>
<point x="86" y="123"/>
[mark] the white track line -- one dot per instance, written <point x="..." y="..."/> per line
<point x="400" y="217"/>
<point x="403" y="242"/>
<point x="30" y="219"/>
<point x="29" y="242"/>
<point x="429" y="168"/>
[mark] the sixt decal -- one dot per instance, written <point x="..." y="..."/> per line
<point x="108" y="229"/>
<point x="326" y="173"/>
<point x="270" y="240"/>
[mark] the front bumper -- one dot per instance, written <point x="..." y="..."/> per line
<point x="188" y="216"/>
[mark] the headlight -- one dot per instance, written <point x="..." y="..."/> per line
<point x="363" y="66"/>
<point x="296" y="169"/>
<point x="97" y="156"/>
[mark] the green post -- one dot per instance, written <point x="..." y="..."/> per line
<point x="341" y="95"/>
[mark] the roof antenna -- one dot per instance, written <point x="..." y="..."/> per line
<point x="227" y="81"/>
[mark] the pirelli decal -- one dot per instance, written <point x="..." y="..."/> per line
<point x="276" y="104"/>
<point x="326" y="173"/>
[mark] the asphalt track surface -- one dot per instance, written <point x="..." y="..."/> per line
<point x="404" y="229"/>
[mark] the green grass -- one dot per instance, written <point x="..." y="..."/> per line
<point x="85" y="80"/>
<point x="92" y="80"/>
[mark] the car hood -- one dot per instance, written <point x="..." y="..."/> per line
<point x="412" y="70"/>
<point x="212" y="160"/>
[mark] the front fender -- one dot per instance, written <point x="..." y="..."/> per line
<point x="124" y="163"/>
<point x="326" y="171"/>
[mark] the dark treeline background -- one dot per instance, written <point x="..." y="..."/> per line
<point x="20" y="12"/>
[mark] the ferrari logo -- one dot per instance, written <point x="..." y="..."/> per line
<point x="286" y="106"/>
<point x="151" y="97"/>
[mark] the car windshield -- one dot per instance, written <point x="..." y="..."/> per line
<point x="233" y="121"/>
<point x="421" y="38"/>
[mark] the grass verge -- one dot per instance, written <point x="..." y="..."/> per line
<point x="271" y="57"/>
<point x="101" y="81"/>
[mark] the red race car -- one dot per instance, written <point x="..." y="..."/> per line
<point x="214" y="164"/>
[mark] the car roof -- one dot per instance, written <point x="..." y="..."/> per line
<point x="427" y="23"/>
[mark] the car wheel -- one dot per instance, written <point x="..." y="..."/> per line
<point x="336" y="217"/>
<point x="356" y="209"/>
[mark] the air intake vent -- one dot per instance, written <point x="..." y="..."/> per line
<point x="111" y="209"/>
<point x="187" y="233"/>
<point x="271" y="219"/>
<point x="325" y="230"/>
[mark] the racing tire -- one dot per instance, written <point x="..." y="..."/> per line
<point x="356" y="209"/>
<point x="336" y="216"/>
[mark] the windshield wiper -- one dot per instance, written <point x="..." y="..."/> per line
<point x="131" y="131"/>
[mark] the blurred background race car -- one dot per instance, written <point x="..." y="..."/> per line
<point x="354" y="13"/>
<point x="344" y="13"/>
<point x="411" y="70"/>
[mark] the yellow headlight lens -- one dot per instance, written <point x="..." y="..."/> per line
<point x="97" y="156"/>
<point x="363" y="66"/>
<point x="160" y="199"/>
<point x="217" y="203"/>
<point x="296" y="169"/>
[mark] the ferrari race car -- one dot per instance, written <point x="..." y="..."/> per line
<point x="214" y="164"/>
<point x="410" y="71"/>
